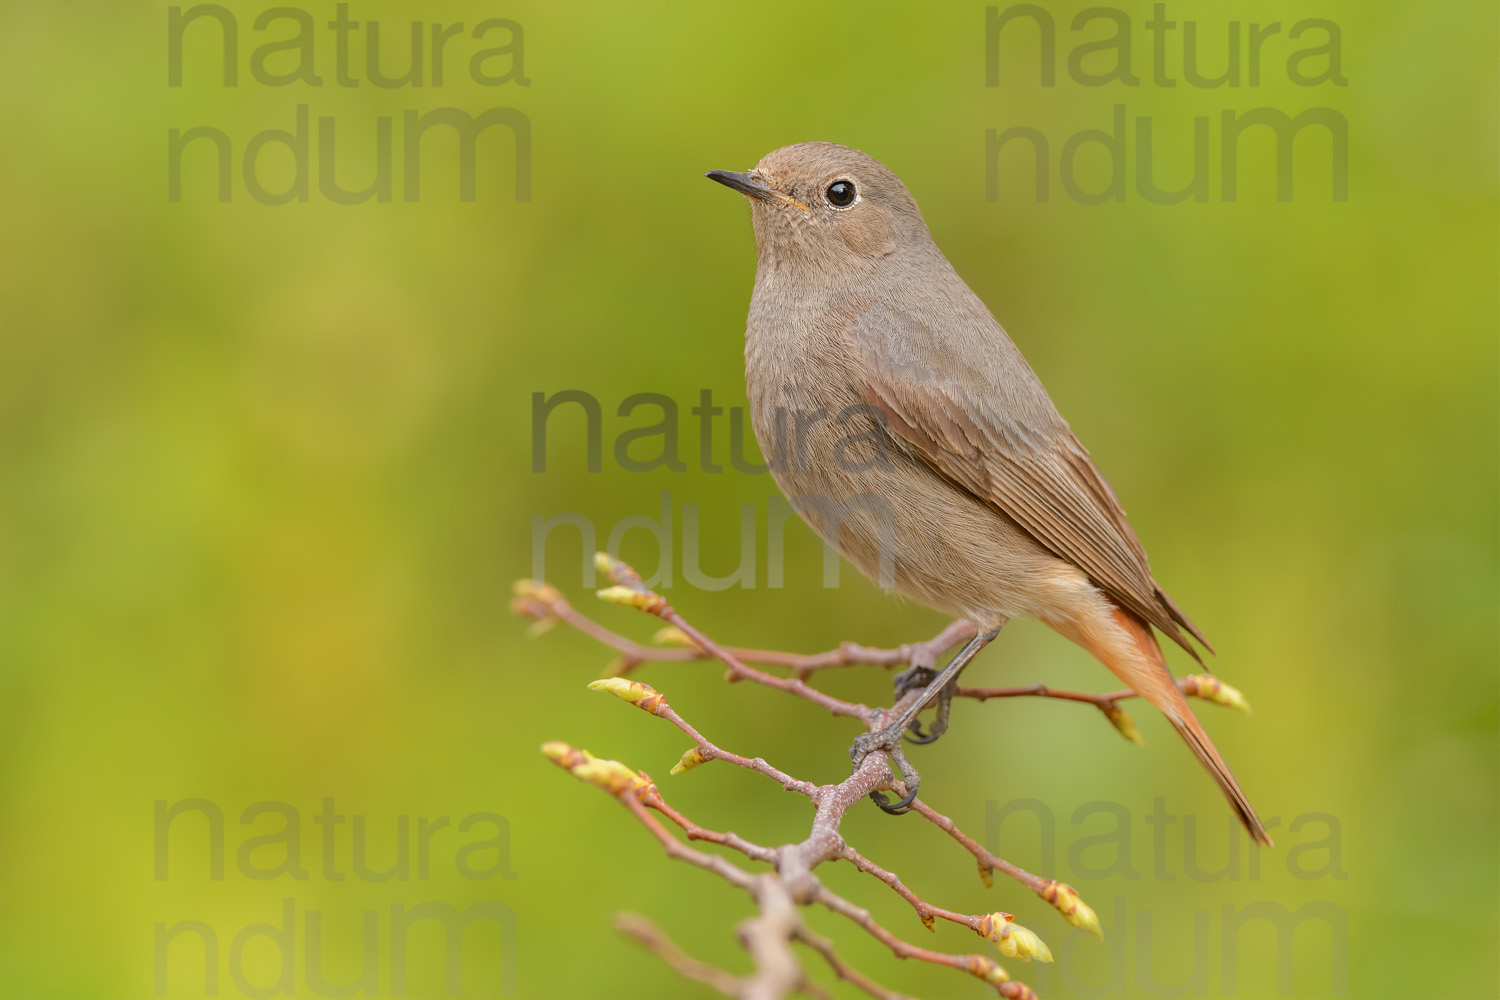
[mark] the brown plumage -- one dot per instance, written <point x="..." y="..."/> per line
<point x="977" y="497"/>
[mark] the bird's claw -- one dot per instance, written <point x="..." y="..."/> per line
<point x="915" y="733"/>
<point x="909" y="777"/>
<point x="889" y="740"/>
<point x="898" y="809"/>
<point x="913" y="678"/>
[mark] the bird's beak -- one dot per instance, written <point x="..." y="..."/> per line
<point x="747" y="184"/>
<point x="751" y="185"/>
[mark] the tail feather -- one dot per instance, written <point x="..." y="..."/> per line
<point x="1208" y="756"/>
<point x="1143" y="667"/>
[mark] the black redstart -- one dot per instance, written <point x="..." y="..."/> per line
<point x="986" y="505"/>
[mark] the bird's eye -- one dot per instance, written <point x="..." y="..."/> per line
<point x="841" y="194"/>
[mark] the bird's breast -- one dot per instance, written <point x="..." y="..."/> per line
<point x="880" y="506"/>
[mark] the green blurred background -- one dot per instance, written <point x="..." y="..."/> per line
<point x="267" y="482"/>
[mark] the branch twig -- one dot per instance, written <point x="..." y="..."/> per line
<point x="791" y="882"/>
<point x="652" y="937"/>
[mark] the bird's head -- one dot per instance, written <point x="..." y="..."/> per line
<point x="821" y="204"/>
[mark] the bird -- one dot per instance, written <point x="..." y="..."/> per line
<point x="904" y="425"/>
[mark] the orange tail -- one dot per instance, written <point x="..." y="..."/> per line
<point x="1144" y="669"/>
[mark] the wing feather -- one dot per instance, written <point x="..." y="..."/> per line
<point x="991" y="430"/>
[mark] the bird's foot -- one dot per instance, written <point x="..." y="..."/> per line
<point x="916" y="677"/>
<point x="888" y="740"/>
<point x="929" y="688"/>
<point x="939" y="721"/>
<point x="913" y="678"/>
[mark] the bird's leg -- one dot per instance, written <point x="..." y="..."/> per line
<point x="888" y="738"/>
<point x="918" y="674"/>
<point x="939" y="721"/>
<point x="915" y="677"/>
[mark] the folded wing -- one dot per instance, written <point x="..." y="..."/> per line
<point x="991" y="429"/>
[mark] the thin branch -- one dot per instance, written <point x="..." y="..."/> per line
<point x="823" y="842"/>
<point x="544" y="604"/>
<point x="652" y="937"/>
<point x="987" y="861"/>
<point x="676" y="849"/>
<point x="925" y="910"/>
<point x="695" y="832"/>
<point x="795" y="884"/>
<point x="767" y="935"/>
<point x="777" y="923"/>
<point x="1059" y="895"/>
<point x="979" y="966"/>
<point x="756" y="764"/>
<point x="819" y="944"/>
<point x="1191" y="685"/>
<point x="628" y="589"/>
<point x="843" y="970"/>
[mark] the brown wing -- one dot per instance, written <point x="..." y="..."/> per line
<point x="990" y="428"/>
